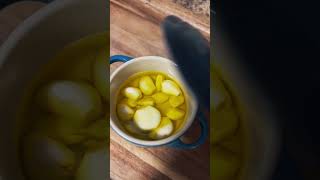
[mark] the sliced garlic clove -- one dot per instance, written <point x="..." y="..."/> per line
<point x="124" y="112"/>
<point x="59" y="129"/>
<point x="129" y="102"/>
<point x="98" y="130"/>
<point x="175" y="114"/>
<point x="159" y="80"/>
<point x="170" y="87"/>
<point x="132" y="93"/>
<point x="132" y="103"/>
<point x="78" y="101"/>
<point x="164" y="130"/>
<point x="176" y="101"/>
<point x="153" y="77"/>
<point x="164" y="107"/>
<point x="132" y="128"/>
<point x="160" y="97"/>
<point x="146" y="101"/>
<point x="147" y="118"/>
<point x="146" y="85"/>
<point x="135" y="83"/>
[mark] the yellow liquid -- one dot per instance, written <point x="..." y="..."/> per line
<point x="73" y="63"/>
<point x="132" y="82"/>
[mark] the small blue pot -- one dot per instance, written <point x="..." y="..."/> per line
<point x="155" y="63"/>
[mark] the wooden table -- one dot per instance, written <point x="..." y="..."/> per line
<point x="135" y="31"/>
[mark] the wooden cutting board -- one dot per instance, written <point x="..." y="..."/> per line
<point x="135" y="31"/>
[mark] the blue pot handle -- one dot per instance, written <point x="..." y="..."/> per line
<point x="202" y="138"/>
<point x="120" y="58"/>
<point x="177" y="143"/>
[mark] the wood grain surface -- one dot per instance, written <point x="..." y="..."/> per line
<point x="135" y="31"/>
<point x="155" y="10"/>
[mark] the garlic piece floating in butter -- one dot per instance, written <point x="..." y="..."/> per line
<point x="176" y="101"/>
<point x="147" y="118"/>
<point x="125" y="112"/>
<point x="170" y="87"/>
<point x="132" y="93"/>
<point x="175" y="114"/>
<point x="159" y="80"/>
<point x="146" y="85"/>
<point x="164" y="130"/>
<point x="160" y="97"/>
